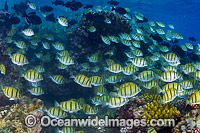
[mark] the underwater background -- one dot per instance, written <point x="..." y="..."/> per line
<point x="133" y="59"/>
<point x="182" y="13"/>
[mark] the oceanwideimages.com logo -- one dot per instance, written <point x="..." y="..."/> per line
<point x="46" y="121"/>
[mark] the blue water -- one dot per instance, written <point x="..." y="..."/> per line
<point x="183" y="14"/>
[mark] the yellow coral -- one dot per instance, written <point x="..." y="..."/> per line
<point x="154" y="110"/>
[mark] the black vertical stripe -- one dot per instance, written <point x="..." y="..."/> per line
<point x="195" y="97"/>
<point x="12" y="93"/>
<point x="59" y="110"/>
<point x="124" y="91"/>
<point x="167" y="95"/>
<point x="7" y="90"/>
<point x="87" y="82"/>
<point x="54" y="111"/>
<point x="17" y="94"/>
<point x="65" y="103"/>
<point x="34" y="75"/>
<point x="70" y="106"/>
<point x="76" y="107"/>
<point x="23" y="60"/>
<point x="82" y="82"/>
<point x="131" y="89"/>
<point x="19" y="58"/>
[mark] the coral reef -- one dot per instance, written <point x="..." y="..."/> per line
<point x="180" y="105"/>
<point x="82" y="41"/>
<point x="4" y="17"/>
<point x="147" y="107"/>
<point x="12" y="118"/>
<point x="154" y="110"/>
<point x="132" y="109"/>
<point x="181" y="127"/>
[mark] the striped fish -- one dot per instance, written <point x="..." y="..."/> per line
<point x="129" y="70"/>
<point x="149" y="84"/>
<point x="58" y="79"/>
<point x="67" y="130"/>
<point x="110" y="62"/>
<point x="20" y="44"/>
<point x="46" y="45"/>
<point x="87" y="109"/>
<point x="128" y="91"/>
<point x="67" y="60"/>
<point x="36" y="91"/>
<point x="194" y="98"/>
<point x="106" y="40"/>
<point x="196" y="75"/>
<point x="82" y="80"/>
<point x="39" y="68"/>
<point x="58" y="46"/>
<point x="186" y="84"/>
<point x="171" y="57"/>
<point x="61" y="66"/>
<point x="189" y="69"/>
<point x="137" y="52"/>
<point x="19" y="59"/>
<point x="115" y="68"/>
<point x="56" y="112"/>
<point x="156" y="90"/>
<point x="169" y="76"/>
<point x="130" y="54"/>
<point x="100" y="90"/>
<point x="139" y="62"/>
<point x="161" y="24"/>
<point x="70" y="106"/>
<point x="104" y="98"/>
<point x="96" y="80"/>
<point x="28" y="32"/>
<point x="94" y="58"/>
<point x="151" y="130"/>
<point x="33" y="76"/>
<point x="116" y="102"/>
<point x="169" y="95"/>
<point x="63" y="21"/>
<point x="11" y="93"/>
<point x="113" y="79"/>
<point x="189" y="45"/>
<point x="63" y="53"/>
<point x="146" y="76"/>
<point x="174" y="85"/>
<point x="3" y="69"/>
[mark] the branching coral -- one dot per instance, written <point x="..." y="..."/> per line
<point x="154" y="110"/>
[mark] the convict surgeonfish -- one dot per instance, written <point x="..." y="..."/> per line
<point x="70" y="106"/>
<point x="11" y="93"/>
<point x="116" y="102"/>
<point x="19" y="59"/>
<point x="56" y="112"/>
<point x="33" y="76"/>
<point x="82" y="80"/>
